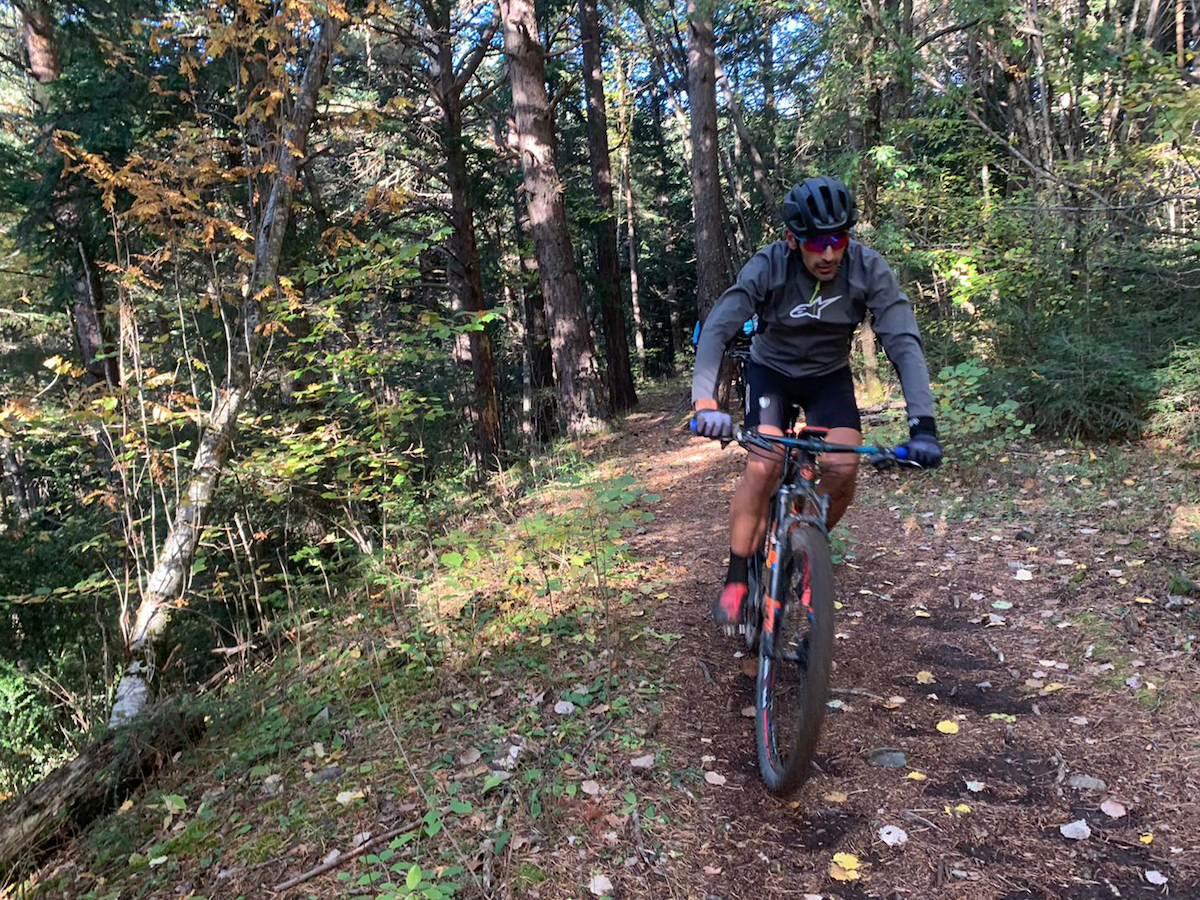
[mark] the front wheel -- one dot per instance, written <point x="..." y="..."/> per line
<point x="794" y="662"/>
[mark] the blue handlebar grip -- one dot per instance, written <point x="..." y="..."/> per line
<point x="901" y="452"/>
<point x="692" y="424"/>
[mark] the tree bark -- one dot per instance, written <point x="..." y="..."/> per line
<point x="576" y="376"/>
<point x="757" y="166"/>
<point x="473" y="348"/>
<point x="90" y="326"/>
<point x="10" y="472"/>
<point x="98" y="779"/>
<point x="608" y="286"/>
<point x="639" y="335"/>
<point x="712" y="251"/>
<point x="146" y="639"/>
<point x="88" y="307"/>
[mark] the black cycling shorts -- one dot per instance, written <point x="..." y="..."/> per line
<point x="776" y="399"/>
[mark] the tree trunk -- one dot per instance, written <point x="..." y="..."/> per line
<point x="608" y="285"/>
<point x="40" y="48"/>
<point x="639" y="334"/>
<point x="146" y="640"/>
<point x="874" y="389"/>
<point x="539" y="357"/>
<point x="757" y="166"/>
<point x="575" y="372"/>
<point x="10" y="472"/>
<point x="90" y="326"/>
<point x="474" y="347"/>
<point x="98" y="779"/>
<point x="712" y="251"/>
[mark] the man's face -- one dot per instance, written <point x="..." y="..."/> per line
<point x="824" y="265"/>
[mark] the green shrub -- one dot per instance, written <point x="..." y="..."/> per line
<point x="1175" y="409"/>
<point x="30" y="741"/>
<point x="972" y="424"/>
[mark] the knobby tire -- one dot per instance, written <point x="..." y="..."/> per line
<point x="790" y="699"/>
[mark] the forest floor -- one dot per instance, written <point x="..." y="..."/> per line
<point x="569" y="741"/>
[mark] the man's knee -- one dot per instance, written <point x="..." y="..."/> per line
<point x="762" y="469"/>
<point x="839" y="477"/>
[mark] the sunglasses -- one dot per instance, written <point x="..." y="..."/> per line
<point x="823" y="242"/>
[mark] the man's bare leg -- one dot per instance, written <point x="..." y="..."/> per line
<point x="839" y="473"/>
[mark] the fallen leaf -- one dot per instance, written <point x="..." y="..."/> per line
<point x="1147" y="838"/>
<point x="126" y="806"/>
<point x="835" y="797"/>
<point x="925" y="677"/>
<point x="564" y="707"/>
<point x="916" y="776"/>
<point x="1023" y="575"/>
<point x="347" y="797"/>
<point x="1152" y="875"/>
<point x="1052" y="687"/>
<point x="844" y="867"/>
<point x="1076" y="831"/>
<point x="470" y="756"/>
<point x="712" y="870"/>
<point x="591" y="788"/>
<point x="600" y="885"/>
<point x="962" y="808"/>
<point x="714" y="778"/>
<point x="157" y="861"/>
<point x="894" y="702"/>
<point x="748" y="712"/>
<point x="892" y="835"/>
<point x="920" y="614"/>
<point x="947" y="727"/>
<point x="642" y="762"/>
<point x="1002" y="604"/>
<point x="1078" y="720"/>
<point x="1114" y="809"/>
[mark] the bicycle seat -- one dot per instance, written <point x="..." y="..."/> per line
<point x="812" y="431"/>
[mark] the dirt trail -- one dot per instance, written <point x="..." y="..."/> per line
<point x="1036" y="710"/>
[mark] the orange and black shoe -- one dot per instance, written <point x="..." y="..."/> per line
<point x="728" y="608"/>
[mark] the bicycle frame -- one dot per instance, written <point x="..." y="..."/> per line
<point x="796" y="500"/>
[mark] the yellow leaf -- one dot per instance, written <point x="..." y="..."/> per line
<point x="947" y="727"/>
<point x="894" y="702"/>
<point x="962" y="808"/>
<point x="920" y="614"/>
<point x="126" y="806"/>
<point x="1052" y="686"/>
<point x="844" y="867"/>
<point x="835" y="797"/>
<point x="1146" y="838"/>
<point x="916" y="776"/>
<point x="1144" y="600"/>
<point x="925" y="677"/>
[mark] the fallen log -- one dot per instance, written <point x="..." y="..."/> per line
<point x="100" y="778"/>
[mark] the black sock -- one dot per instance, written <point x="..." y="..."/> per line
<point x="737" y="568"/>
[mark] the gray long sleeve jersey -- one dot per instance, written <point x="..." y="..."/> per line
<point x="805" y="327"/>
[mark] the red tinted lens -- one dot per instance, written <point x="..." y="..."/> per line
<point x="823" y="242"/>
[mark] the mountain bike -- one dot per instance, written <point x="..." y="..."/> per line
<point x="788" y="612"/>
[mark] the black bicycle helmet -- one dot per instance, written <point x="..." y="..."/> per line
<point x="821" y="205"/>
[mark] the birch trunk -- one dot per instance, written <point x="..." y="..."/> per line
<point x="146" y="639"/>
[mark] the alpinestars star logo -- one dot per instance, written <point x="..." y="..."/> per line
<point x="813" y="309"/>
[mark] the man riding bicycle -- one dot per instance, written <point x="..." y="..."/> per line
<point x="810" y="291"/>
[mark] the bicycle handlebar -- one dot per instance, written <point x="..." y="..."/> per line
<point x="876" y="456"/>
